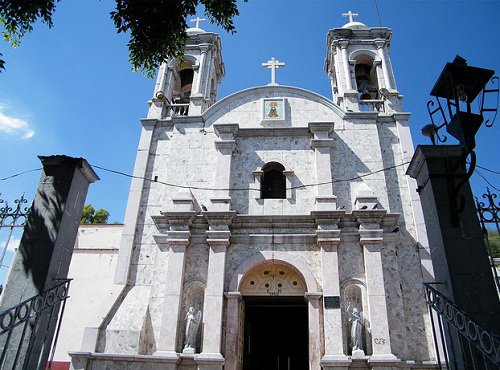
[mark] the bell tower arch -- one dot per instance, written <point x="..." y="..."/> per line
<point x="188" y="86"/>
<point x="359" y="67"/>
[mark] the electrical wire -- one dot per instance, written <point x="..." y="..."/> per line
<point x="486" y="180"/>
<point x="487" y="169"/>
<point x="333" y="181"/>
<point x="19" y="174"/>
<point x="247" y="189"/>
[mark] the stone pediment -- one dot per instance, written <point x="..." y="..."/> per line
<point x="273" y="106"/>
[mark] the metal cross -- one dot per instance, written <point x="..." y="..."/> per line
<point x="273" y="64"/>
<point x="198" y="20"/>
<point x="350" y="14"/>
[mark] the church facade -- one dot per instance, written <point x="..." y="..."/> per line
<point x="272" y="229"/>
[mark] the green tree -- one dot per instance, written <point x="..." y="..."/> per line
<point x="91" y="216"/>
<point x="156" y="27"/>
<point x="494" y="242"/>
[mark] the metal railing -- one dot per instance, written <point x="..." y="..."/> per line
<point x="480" y="348"/>
<point x="179" y="109"/>
<point x="489" y="214"/>
<point x="12" y="218"/>
<point x="25" y="329"/>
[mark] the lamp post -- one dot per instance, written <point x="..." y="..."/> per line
<point x="462" y="85"/>
<point x="459" y="257"/>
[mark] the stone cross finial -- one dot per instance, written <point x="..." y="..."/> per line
<point x="350" y="14"/>
<point x="198" y="20"/>
<point x="273" y="64"/>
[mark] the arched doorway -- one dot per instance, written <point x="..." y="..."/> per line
<point x="275" y="319"/>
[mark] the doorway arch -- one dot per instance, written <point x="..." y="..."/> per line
<point x="301" y="298"/>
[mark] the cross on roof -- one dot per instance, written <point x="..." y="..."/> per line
<point x="198" y="20"/>
<point x="350" y="14"/>
<point x="273" y="64"/>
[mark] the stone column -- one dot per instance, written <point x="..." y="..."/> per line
<point x="381" y="53"/>
<point x="458" y="252"/>
<point x="322" y="143"/>
<point x="232" y="330"/>
<point x="314" y="313"/>
<point x="345" y="61"/>
<point x="198" y="94"/>
<point x="371" y="238"/>
<point x="221" y="201"/>
<point x="177" y="239"/>
<point x="218" y="237"/>
<point x="328" y="239"/>
<point x="45" y="251"/>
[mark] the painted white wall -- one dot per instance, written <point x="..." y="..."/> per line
<point x="92" y="269"/>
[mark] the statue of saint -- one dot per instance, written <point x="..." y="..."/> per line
<point x="193" y="320"/>
<point x="356" y="321"/>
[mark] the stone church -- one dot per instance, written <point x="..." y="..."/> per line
<point x="272" y="229"/>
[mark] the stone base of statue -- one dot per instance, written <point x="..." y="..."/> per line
<point x="358" y="353"/>
<point x="188" y="350"/>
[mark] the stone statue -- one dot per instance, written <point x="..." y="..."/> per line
<point x="356" y="321"/>
<point x="193" y="320"/>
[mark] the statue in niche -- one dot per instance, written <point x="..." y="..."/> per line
<point x="193" y="320"/>
<point x="356" y="322"/>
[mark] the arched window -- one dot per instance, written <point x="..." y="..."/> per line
<point x="366" y="77"/>
<point x="273" y="183"/>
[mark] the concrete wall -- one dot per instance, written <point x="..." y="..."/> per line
<point x="92" y="269"/>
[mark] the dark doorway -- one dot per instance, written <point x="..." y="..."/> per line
<point x="276" y="333"/>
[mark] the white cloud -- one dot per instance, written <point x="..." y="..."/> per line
<point x="15" y="126"/>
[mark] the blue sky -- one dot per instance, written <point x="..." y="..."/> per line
<point x="70" y="90"/>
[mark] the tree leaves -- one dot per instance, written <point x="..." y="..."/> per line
<point x="156" y="27"/>
<point x="91" y="216"/>
<point x="17" y="18"/>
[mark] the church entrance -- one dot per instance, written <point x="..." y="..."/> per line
<point x="276" y="333"/>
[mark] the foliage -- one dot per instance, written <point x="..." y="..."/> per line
<point x="156" y="27"/>
<point x="494" y="242"/>
<point x="17" y="18"/>
<point x="91" y="216"/>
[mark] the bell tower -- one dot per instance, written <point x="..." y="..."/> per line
<point x="359" y="68"/>
<point x="188" y="87"/>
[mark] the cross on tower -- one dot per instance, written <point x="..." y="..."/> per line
<point x="350" y="14"/>
<point x="273" y="64"/>
<point x="198" y="20"/>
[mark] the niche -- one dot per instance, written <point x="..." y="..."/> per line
<point x="366" y="77"/>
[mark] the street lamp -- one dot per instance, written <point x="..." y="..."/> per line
<point x="460" y="85"/>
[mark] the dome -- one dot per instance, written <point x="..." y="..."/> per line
<point x="194" y="31"/>
<point x="355" y="26"/>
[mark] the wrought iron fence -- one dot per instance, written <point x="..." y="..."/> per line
<point x="489" y="215"/>
<point x="24" y="329"/>
<point x="480" y="348"/>
<point x="12" y="217"/>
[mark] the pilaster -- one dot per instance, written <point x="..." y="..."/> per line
<point x="221" y="200"/>
<point x="314" y="312"/>
<point x="328" y="239"/>
<point x="371" y="238"/>
<point x="322" y="144"/>
<point x="177" y="239"/>
<point x="218" y="240"/>
<point x="233" y="335"/>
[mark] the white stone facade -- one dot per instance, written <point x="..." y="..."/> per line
<point x="199" y="232"/>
